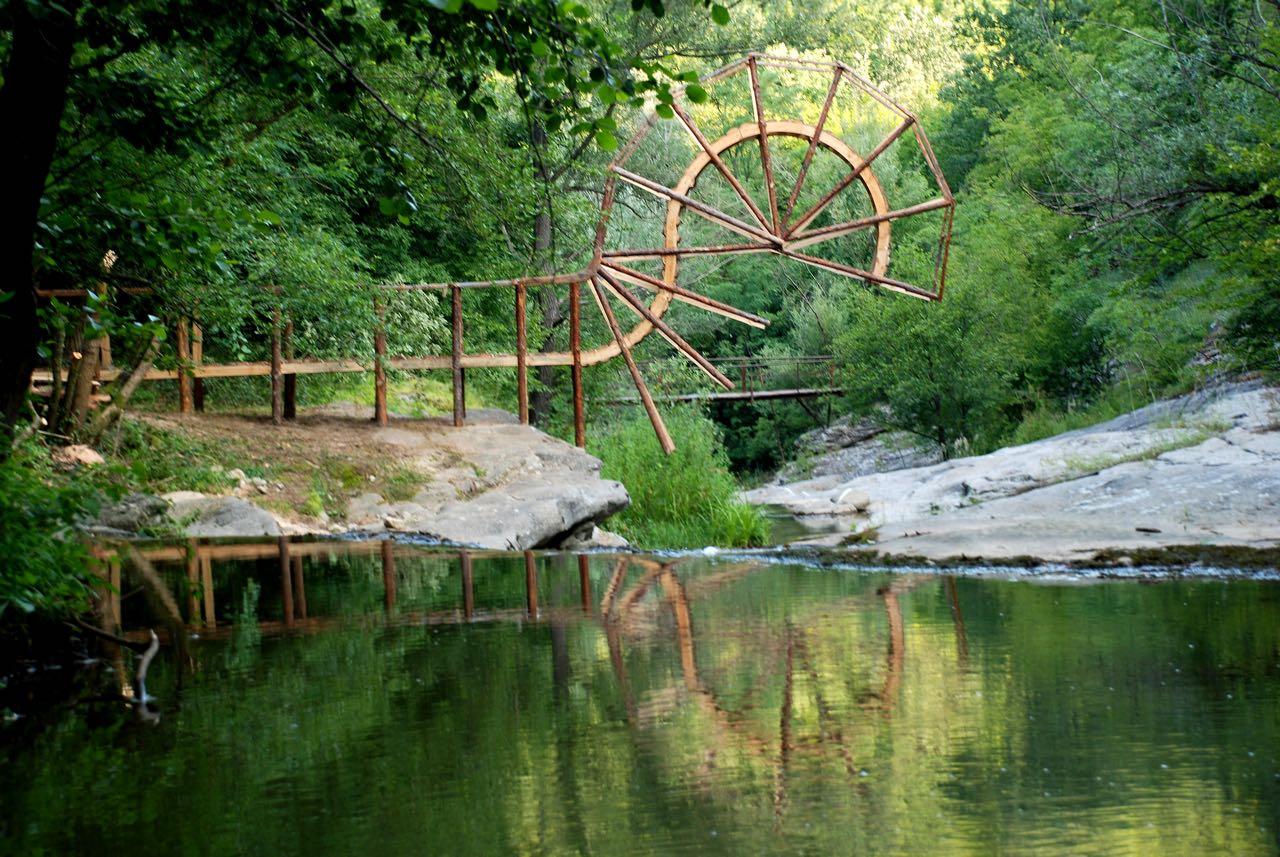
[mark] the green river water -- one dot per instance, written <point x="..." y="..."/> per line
<point x="352" y="699"/>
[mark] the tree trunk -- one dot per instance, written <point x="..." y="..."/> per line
<point x="31" y="104"/>
<point x="106" y="417"/>
<point x="548" y="300"/>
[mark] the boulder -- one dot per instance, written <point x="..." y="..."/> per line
<point x="135" y="513"/>
<point x="218" y="517"/>
<point x="76" y="455"/>
<point x="592" y="537"/>
<point x="507" y="486"/>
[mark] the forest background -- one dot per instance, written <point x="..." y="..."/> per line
<point x="1114" y="166"/>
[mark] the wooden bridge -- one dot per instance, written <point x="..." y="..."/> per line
<point x="759" y="379"/>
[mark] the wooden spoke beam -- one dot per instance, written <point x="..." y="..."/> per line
<point x="690" y="297"/>
<point x="719" y="164"/>
<point x="667" y="333"/>
<point x="664" y="252"/>
<point x="838" y="230"/>
<point x="766" y="162"/>
<point x="813" y="146"/>
<point x="821" y="205"/>
<point x="859" y="273"/>
<point x="659" y="427"/>
<point x="728" y="221"/>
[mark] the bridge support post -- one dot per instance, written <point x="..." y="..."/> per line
<point x="388" y="575"/>
<point x="531" y="583"/>
<point x="468" y="590"/>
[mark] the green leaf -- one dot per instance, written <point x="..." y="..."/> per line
<point x="485" y="5"/>
<point x="695" y="93"/>
<point x="665" y="111"/>
<point x="606" y="141"/>
<point x="719" y="14"/>
<point x="539" y="48"/>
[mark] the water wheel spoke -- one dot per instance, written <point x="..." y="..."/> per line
<point x="721" y="167"/>
<point x="686" y="295"/>
<point x="839" y="230"/>
<point x="861" y="274"/>
<point x="813" y="147"/>
<point x="766" y="161"/>
<point x="821" y="205"/>
<point x="663" y="252"/>
<point x="659" y="427"/>
<point x="676" y="340"/>
<point x="711" y="213"/>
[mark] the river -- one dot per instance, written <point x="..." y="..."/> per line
<point x="355" y="698"/>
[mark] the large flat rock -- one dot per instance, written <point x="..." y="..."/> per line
<point x="1203" y="469"/>
<point x="502" y="485"/>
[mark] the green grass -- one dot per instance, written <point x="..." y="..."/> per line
<point x="142" y="457"/>
<point x="1077" y="467"/>
<point x="687" y="499"/>
<point x="415" y="394"/>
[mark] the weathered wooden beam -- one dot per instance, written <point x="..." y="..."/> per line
<point x="379" y="363"/>
<point x="459" y="393"/>
<point x="290" y="378"/>
<point x="522" y="356"/>
<point x="277" y="371"/>
<point x="197" y="360"/>
<point x="182" y="343"/>
<point x="659" y="427"/>
<point x="575" y="349"/>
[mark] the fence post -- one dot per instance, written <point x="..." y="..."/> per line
<point x="575" y="346"/>
<point x="277" y="377"/>
<point x="522" y="355"/>
<point x="379" y="364"/>
<point x="459" y="390"/>
<point x="185" y="404"/>
<point x="290" y="380"/>
<point x="197" y="360"/>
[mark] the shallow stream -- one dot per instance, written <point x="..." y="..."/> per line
<point x="371" y="698"/>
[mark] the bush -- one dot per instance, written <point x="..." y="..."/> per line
<point x="45" y="566"/>
<point x="687" y="499"/>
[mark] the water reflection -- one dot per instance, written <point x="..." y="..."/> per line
<point x="359" y="696"/>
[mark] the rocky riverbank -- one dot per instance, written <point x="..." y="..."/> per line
<point x="1200" y="470"/>
<point x="493" y="483"/>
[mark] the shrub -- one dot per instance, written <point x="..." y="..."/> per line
<point x="45" y="566"/>
<point x="687" y="499"/>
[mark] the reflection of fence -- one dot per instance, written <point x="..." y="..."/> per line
<point x="758" y="379"/>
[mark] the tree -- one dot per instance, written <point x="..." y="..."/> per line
<point x="93" y="56"/>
